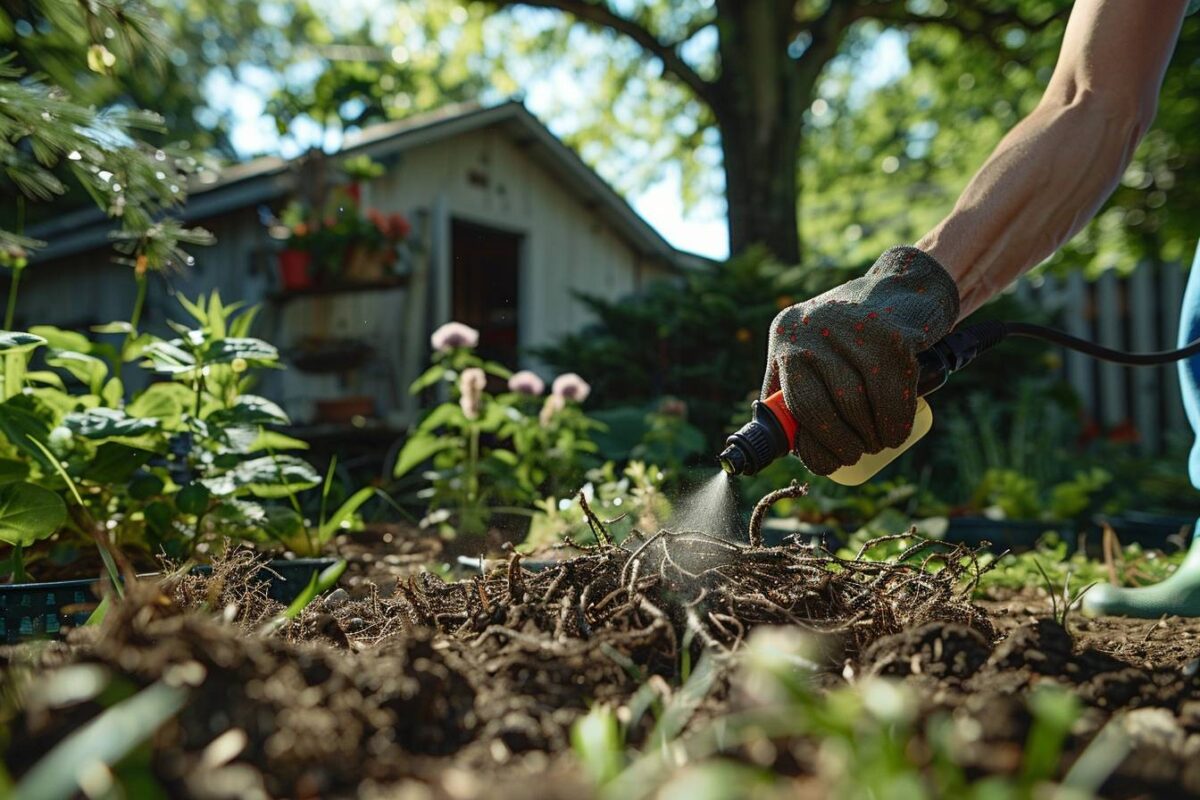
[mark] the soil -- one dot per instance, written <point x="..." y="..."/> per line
<point x="400" y="684"/>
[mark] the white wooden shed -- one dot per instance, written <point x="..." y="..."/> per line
<point x="508" y="223"/>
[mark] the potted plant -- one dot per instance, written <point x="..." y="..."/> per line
<point x="334" y="239"/>
<point x="185" y="467"/>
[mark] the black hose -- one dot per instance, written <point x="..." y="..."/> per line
<point x="1100" y="351"/>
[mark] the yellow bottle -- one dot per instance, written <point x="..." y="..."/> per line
<point x="769" y="435"/>
<point x="869" y="465"/>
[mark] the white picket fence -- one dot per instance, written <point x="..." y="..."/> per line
<point x="1138" y="312"/>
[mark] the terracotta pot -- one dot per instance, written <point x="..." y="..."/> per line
<point x="295" y="270"/>
<point x="345" y="409"/>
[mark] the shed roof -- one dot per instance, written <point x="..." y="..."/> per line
<point x="271" y="177"/>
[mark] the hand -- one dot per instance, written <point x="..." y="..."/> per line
<point x="847" y="360"/>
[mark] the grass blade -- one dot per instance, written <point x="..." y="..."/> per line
<point x="105" y="740"/>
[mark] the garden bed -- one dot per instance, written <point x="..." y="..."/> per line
<point x="473" y="688"/>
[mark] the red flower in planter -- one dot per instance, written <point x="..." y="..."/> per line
<point x="400" y="227"/>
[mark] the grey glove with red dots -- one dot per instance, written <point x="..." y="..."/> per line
<point x="847" y="360"/>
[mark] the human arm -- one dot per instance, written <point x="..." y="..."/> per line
<point x="1053" y="171"/>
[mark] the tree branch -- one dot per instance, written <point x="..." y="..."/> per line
<point x="972" y="21"/>
<point x="598" y="14"/>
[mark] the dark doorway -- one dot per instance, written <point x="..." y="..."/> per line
<point x="485" y="281"/>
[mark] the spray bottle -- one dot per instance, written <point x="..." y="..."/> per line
<point x="772" y="429"/>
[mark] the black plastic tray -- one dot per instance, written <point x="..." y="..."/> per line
<point x="44" y="610"/>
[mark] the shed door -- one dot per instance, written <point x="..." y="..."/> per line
<point x="485" y="279"/>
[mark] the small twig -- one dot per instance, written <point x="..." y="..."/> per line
<point x="516" y="581"/>
<point x="795" y="489"/>
<point x="597" y="526"/>
<point x="1111" y="547"/>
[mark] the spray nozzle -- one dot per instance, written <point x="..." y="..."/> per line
<point x="757" y="443"/>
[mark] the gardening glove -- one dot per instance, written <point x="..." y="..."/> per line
<point x="847" y="360"/>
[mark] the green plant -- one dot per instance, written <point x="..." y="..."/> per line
<point x="492" y="451"/>
<point x="632" y="499"/>
<point x="1008" y="494"/>
<point x="159" y="470"/>
<point x="1050" y="564"/>
<point x="869" y="738"/>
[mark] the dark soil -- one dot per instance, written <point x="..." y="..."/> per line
<point x="400" y="684"/>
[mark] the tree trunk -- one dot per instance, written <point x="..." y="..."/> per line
<point x="762" y="186"/>
<point x="760" y="98"/>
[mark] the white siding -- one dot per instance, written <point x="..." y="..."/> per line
<point x="481" y="177"/>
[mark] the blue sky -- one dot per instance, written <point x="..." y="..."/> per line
<point x="701" y="229"/>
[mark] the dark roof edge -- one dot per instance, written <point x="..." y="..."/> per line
<point x="270" y="177"/>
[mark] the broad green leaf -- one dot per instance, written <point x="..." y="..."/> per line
<point x="241" y="513"/>
<point x="344" y="513"/>
<point x="267" y="476"/>
<point x="59" y="339"/>
<point x="443" y="414"/>
<point x="144" y="487"/>
<point x="193" y="499"/>
<point x="12" y="470"/>
<point x="19" y="342"/>
<point x="427" y="378"/>
<point x="254" y="351"/>
<point x="113" y="392"/>
<point x="249" y="409"/>
<point x="24" y="420"/>
<point x="104" y="423"/>
<point x="282" y="522"/>
<point x="418" y="449"/>
<point x="168" y="357"/>
<point x="162" y="401"/>
<point x="158" y="517"/>
<point x="115" y="463"/>
<point x="14" y="373"/>
<point x="29" y="513"/>
<point x="46" y="377"/>
<point x="276" y="442"/>
<point x="113" y="327"/>
<point x="87" y="369"/>
<point x="497" y="369"/>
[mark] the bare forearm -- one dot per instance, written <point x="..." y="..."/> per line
<point x="1042" y="184"/>
<point x="1055" y="169"/>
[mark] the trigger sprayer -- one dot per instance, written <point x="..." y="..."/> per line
<point x="772" y="429"/>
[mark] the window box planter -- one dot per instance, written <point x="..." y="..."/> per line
<point x="43" y="610"/>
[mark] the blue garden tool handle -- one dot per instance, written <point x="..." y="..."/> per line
<point x="1189" y="368"/>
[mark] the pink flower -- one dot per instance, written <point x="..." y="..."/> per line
<point x="554" y="403"/>
<point x="571" y="387"/>
<point x="470" y="386"/>
<point x="452" y="335"/>
<point x="526" y="382"/>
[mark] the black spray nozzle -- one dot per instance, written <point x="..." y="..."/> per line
<point x="756" y="444"/>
